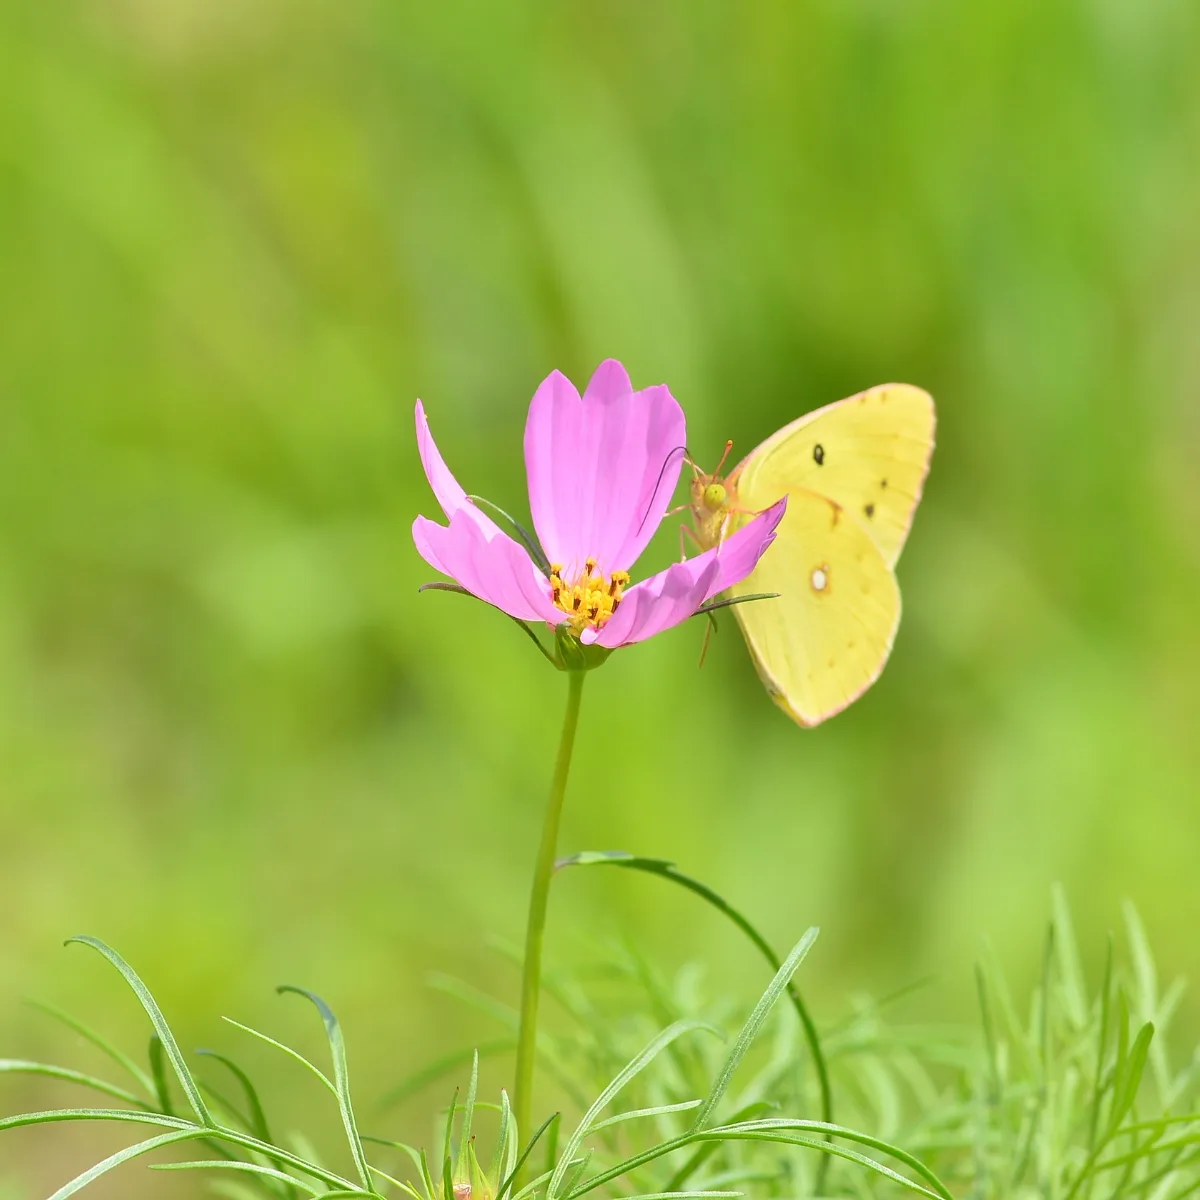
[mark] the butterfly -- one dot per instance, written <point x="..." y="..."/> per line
<point x="853" y="473"/>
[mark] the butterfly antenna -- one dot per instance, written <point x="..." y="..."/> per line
<point x="662" y="471"/>
<point x="724" y="456"/>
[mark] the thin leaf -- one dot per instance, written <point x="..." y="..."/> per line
<point x="533" y="1141"/>
<point x="679" y="1195"/>
<point x="341" y="1079"/>
<point x="18" y="1066"/>
<point x="257" y="1116"/>
<point x="783" y="1132"/>
<point x="666" y="869"/>
<point x="1069" y="964"/>
<point x="531" y="543"/>
<point x="127" y="1155"/>
<point x="1102" y="1046"/>
<point x="462" y="1167"/>
<point x="286" y="1049"/>
<point x="51" y="1115"/>
<point x="754" y="1023"/>
<point x="658" y="1111"/>
<point x="634" y="1067"/>
<point x="448" y="1142"/>
<point x="158" y="1021"/>
<point x="215" y="1133"/>
<point x="251" y="1168"/>
<point x="105" y="1047"/>
<point x="730" y="601"/>
<point x="707" y="1149"/>
<point x="532" y="1186"/>
<point x="158" y="1071"/>
<point x="1129" y="1079"/>
<point x="504" y="1136"/>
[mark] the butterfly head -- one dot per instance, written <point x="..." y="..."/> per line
<point x="713" y="500"/>
<point x="715" y="496"/>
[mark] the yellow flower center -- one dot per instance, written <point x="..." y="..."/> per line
<point x="591" y="599"/>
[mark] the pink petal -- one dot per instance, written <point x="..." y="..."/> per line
<point x="602" y="469"/>
<point x="446" y="488"/>
<point x="738" y="554"/>
<point x="490" y="566"/>
<point x="670" y="597"/>
<point x="657" y="603"/>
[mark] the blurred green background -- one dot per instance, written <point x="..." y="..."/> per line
<point x="238" y="239"/>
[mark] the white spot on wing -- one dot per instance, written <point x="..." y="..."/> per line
<point x="820" y="578"/>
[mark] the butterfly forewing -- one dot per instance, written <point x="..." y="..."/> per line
<point x="868" y="453"/>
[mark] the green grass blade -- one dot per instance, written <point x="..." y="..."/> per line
<point x="158" y="1021"/>
<point x="257" y="1116"/>
<point x="754" y="1024"/>
<point x="706" y="1150"/>
<point x="507" y="1182"/>
<point x="783" y="1131"/>
<point x="1101" y="1048"/>
<point x="863" y="1160"/>
<point x="665" y="869"/>
<point x="637" y="1113"/>
<point x="102" y="1044"/>
<point x="497" y="1169"/>
<point x="631" y="1069"/>
<point x="413" y="1154"/>
<point x="448" y="1139"/>
<point x="178" y="1124"/>
<point x="530" y="1189"/>
<point x="679" y="1195"/>
<point x="51" y="1115"/>
<point x="19" y="1066"/>
<point x="287" y="1050"/>
<point x="462" y="1167"/>
<point x="158" y="1072"/>
<point x="252" y="1168"/>
<point x="447" y="1178"/>
<point x="1070" y="967"/>
<point x="341" y="1079"/>
<point x="1129" y="1078"/>
<point x="127" y="1155"/>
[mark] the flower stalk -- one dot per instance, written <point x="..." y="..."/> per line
<point x="531" y="975"/>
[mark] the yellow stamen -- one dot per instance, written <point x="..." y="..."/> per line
<point x="591" y="599"/>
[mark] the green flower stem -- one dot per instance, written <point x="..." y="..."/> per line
<point x="531" y="977"/>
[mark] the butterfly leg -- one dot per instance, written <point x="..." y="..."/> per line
<point x="690" y="532"/>
<point x="709" y="626"/>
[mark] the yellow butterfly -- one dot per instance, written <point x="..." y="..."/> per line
<point x="853" y="473"/>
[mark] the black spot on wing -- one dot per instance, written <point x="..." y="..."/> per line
<point x="869" y="509"/>
<point x="819" y="454"/>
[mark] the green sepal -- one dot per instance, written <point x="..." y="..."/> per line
<point x="570" y="654"/>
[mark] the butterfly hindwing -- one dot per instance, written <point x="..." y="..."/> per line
<point x="869" y="453"/>
<point x="827" y="635"/>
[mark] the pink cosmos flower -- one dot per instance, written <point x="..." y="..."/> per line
<point x="602" y="470"/>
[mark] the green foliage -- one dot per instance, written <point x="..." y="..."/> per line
<point x="1076" y="1099"/>
<point x="242" y="1144"/>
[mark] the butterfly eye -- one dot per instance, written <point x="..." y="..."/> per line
<point x="714" y="496"/>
